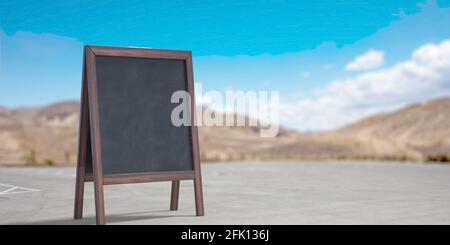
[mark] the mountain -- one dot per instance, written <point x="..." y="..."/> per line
<point x="49" y="135"/>
<point x="38" y="134"/>
<point x="62" y="113"/>
<point x="422" y="128"/>
<point x="410" y="133"/>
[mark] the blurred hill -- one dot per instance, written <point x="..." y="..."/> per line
<point x="419" y="128"/>
<point x="48" y="135"/>
<point x="36" y="135"/>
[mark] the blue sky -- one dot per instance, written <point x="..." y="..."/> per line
<point x="206" y="27"/>
<point x="307" y="50"/>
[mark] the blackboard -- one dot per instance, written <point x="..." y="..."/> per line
<point x="126" y="134"/>
<point x="135" y="110"/>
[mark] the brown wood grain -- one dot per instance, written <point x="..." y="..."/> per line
<point x="82" y="147"/>
<point x="140" y="52"/>
<point x="95" y="137"/>
<point x="174" y="194"/>
<point x="115" y="179"/>
<point x="198" y="189"/>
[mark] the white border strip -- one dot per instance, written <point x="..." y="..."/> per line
<point x="16" y="189"/>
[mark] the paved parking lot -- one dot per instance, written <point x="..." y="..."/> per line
<point x="286" y="192"/>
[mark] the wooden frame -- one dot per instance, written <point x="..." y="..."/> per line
<point x="89" y="135"/>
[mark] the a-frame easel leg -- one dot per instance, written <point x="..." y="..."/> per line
<point x="199" y="209"/>
<point x="99" y="202"/>
<point x="174" y="195"/>
<point x="198" y="191"/>
<point x="82" y="148"/>
<point x="94" y="123"/>
<point x="79" y="193"/>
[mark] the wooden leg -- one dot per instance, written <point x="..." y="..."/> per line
<point x="174" y="195"/>
<point x="79" y="193"/>
<point x="99" y="202"/>
<point x="198" y="196"/>
<point x="94" y="126"/>
<point x="82" y="150"/>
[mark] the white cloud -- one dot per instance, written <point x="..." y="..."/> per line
<point x="370" y="59"/>
<point x="425" y="75"/>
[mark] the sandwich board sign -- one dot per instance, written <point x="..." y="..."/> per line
<point x="126" y="134"/>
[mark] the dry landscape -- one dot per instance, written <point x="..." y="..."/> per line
<point x="48" y="135"/>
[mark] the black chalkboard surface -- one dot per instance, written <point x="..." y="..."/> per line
<point x="126" y="134"/>
<point x="135" y="110"/>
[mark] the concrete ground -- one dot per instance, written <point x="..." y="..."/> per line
<point x="286" y="192"/>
